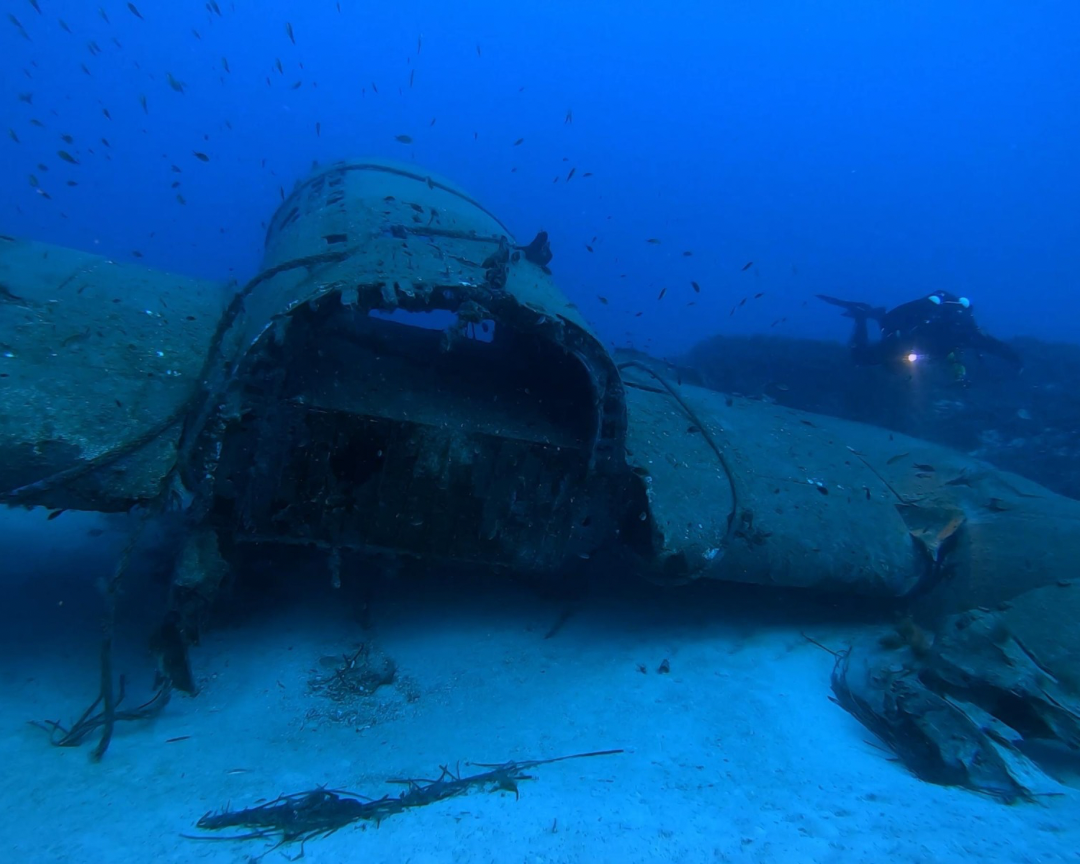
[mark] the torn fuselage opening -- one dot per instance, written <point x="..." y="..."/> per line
<point x="361" y="432"/>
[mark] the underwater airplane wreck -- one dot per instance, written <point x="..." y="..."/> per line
<point x="298" y="410"/>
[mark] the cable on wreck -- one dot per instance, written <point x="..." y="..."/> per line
<point x="728" y="472"/>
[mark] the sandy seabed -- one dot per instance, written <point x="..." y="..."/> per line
<point x="735" y="755"/>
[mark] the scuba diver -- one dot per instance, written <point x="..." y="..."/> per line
<point x="937" y="327"/>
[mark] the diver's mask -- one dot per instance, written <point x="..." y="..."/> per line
<point x="939" y="300"/>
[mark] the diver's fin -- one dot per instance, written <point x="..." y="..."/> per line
<point x="853" y="308"/>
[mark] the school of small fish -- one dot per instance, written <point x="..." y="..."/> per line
<point x="162" y="84"/>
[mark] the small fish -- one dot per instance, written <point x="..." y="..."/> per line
<point x="923" y="467"/>
<point x="696" y="287"/>
<point x="213" y="7"/>
<point x="654" y="240"/>
<point x="137" y="253"/>
<point x="571" y="174"/>
<point x="288" y="30"/>
<point x="403" y="139"/>
<point x="37" y="8"/>
<point x="35" y="122"/>
<point x="748" y="265"/>
<point x="318" y="129"/>
<point x="759" y="295"/>
<point x="202" y="157"/>
<point x="28" y="98"/>
<point x="175" y="184"/>
<point x="374" y="89"/>
<point x="134" y="11"/>
<point x="478" y="54"/>
<point x="297" y="85"/>
<point x="85" y="70"/>
<point x="142" y="101"/>
<point x="178" y="737"/>
<point x="412" y="77"/>
<point x="53" y="515"/>
<point x="72" y="183"/>
<point x="33" y="181"/>
<point x="13" y="136"/>
<point x="63" y="25"/>
<point x="180" y="198"/>
<point x="569" y="118"/>
<point x="225" y="64"/>
<point x="67" y="157"/>
<point x="178" y="86"/>
<point x="519" y="142"/>
<point x="195" y="33"/>
<point x="587" y="246"/>
<point x="67" y="139"/>
<point x="663" y="291"/>
<point x="892" y="460"/>
<point x="105" y="111"/>
<point x="602" y="299"/>
<point x="104" y="16"/>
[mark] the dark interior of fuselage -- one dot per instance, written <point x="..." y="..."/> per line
<point x="469" y="443"/>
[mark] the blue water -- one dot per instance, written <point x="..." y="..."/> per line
<point x="703" y="169"/>
<point x="879" y="151"/>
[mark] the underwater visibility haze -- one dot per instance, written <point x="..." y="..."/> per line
<point x="553" y="432"/>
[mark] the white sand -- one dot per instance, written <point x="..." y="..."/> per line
<point x="736" y="755"/>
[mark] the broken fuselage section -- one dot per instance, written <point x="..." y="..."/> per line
<point x="403" y="379"/>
